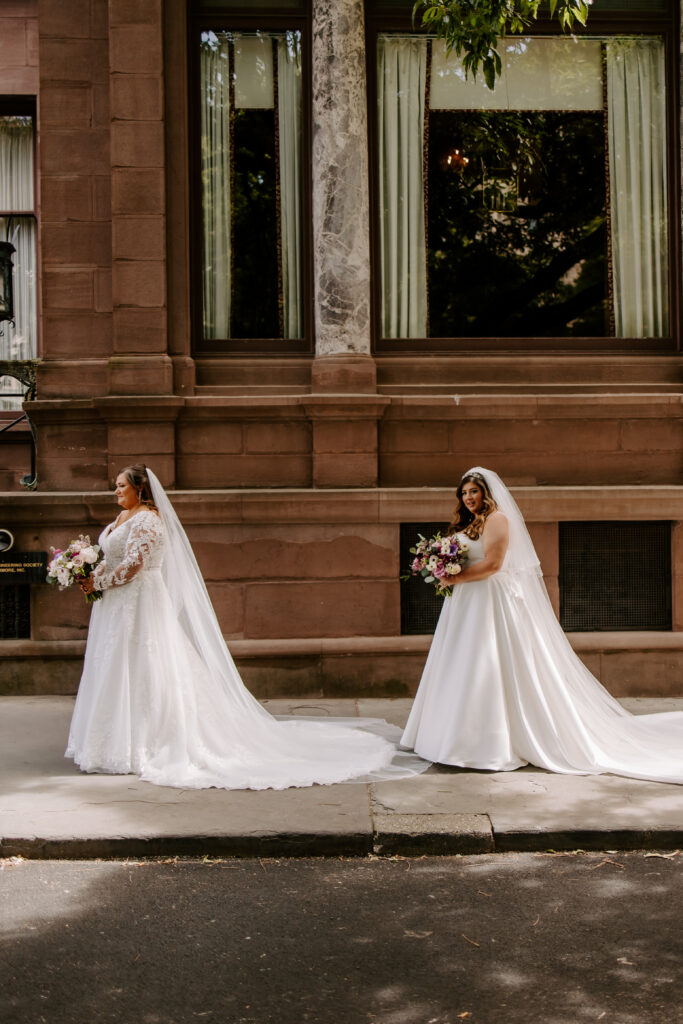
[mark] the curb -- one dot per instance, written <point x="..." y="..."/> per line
<point x="395" y="841"/>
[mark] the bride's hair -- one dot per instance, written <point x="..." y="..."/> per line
<point x="463" y="520"/>
<point x="136" y="475"/>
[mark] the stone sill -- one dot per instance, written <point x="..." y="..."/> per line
<point x="349" y="505"/>
<point x="306" y="647"/>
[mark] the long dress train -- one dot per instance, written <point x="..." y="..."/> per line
<point x="502" y="687"/>
<point x="160" y="696"/>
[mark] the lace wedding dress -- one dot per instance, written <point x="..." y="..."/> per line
<point x="502" y="686"/>
<point x="160" y="696"/>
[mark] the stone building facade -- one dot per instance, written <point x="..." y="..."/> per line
<point x="294" y="462"/>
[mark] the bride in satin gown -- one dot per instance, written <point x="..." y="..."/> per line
<point x="502" y="686"/>
<point x="160" y="696"/>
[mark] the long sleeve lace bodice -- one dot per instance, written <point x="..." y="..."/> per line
<point x="129" y="548"/>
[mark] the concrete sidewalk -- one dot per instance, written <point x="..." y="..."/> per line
<point x="48" y="808"/>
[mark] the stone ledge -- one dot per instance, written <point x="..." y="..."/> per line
<point x="367" y="504"/>
<point x="306" y="647"/>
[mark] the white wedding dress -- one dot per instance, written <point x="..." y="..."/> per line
<point x="160" y="696"/>
<point x="502" y="686"/>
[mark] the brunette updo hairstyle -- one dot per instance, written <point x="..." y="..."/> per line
<point x="136" y="475"/>
<point x="463" y="520"/>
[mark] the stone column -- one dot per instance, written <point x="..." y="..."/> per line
<point x="341" y="241"/>
<point x="344" y="408"/>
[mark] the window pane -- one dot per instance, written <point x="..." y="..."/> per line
<point x="16" y="163"/>
<point x="251" y="185"/>
<point x="19" y="340"/>
<point x="545" y="199"/>
<point x="517" y="224"/>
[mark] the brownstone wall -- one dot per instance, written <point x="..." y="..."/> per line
<point x="19" y="48"/>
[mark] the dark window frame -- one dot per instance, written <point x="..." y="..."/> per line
<point x="26" y="106"/>
<point x="384" y="19"/>
<point x="226" y="20"/>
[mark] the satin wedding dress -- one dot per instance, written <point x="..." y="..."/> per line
<point x="160" y="696"/>
<point x="502" y="686"/>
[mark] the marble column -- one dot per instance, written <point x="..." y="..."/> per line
<point x="341" y="242"/>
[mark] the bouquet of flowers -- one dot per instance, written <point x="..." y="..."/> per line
<point x="73" y="564"/>
<point x="437" y="558"/>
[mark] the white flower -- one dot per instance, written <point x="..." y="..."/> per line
<point x="89" y="555"/>
<point x="453" y="569"/>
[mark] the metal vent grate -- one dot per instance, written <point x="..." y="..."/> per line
<point x="420" y="605"/>
<point x="15" y="613"/>
<point x="615" y="576"/>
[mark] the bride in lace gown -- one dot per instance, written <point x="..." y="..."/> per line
<point x="502" y="686"/>
<point x="160" y="696"/>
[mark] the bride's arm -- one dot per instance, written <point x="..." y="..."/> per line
<point x="496" y="537"/>
<point x="144" y="534"/>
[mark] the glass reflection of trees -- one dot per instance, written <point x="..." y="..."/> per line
<point x="517" y="238"/>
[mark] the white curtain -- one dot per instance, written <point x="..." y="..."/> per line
<point x="537" y="74"/>
<point x="18" y="341"/>
<point x="16" y="164"/>
<point x="215" y="153"/>
<point x="401" y="82"/>
<point x="289" y="115"/>
<point x="638" y="187"/>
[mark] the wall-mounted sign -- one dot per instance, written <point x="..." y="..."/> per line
<point x="18" y="567"/>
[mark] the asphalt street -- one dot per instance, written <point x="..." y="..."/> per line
<point x="502" y="939"/>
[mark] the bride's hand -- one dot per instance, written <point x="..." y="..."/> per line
<point x="87" y="585"/>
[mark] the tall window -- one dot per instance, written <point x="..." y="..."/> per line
<point x="251" y="150"/>
<point x="18" y="226"/>
<point x="537" y="210"/>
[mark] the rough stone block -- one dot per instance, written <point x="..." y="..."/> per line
<point x="101" y="185"/>
<point x="137" y="191"/>
<point x="32" y="43"/>
<point x="79" y="151"/>
<point x="137" y="144"/>
<point x="223" y="470"/>
<point x="60" y="615"/>
<point x="652" y="435"/>
<point x="71" y="474"/>
<point x="345" y="470"/>
<point x="75" y="243"/>
<point x="132" y="12"/>
<point x="101" y="114"/>
<point x="642" y="673"/>
<point x="303" y="551"/>
<point x="276" y="436"/>
<point x="103" y="299"/>
<point x="13" y="43"/>
<point x="136" y="49"/>
<point x="66" y="334"/>
<point x="140" y="330"/>
<point x="68" y="289"/>
<point x="65" y="106"/>
<point x="536" y="435"/>
<point x="137" y="98"/>
<point x="317" y="608"/>
<point x="202" y="437"/>
<point x="139" y="283"/>
<point x="66" y="198"/>
<point x="19" y="81"/>
<point x="99" y="19"/>
<point x="345" y="436"/>
<point x="228" y="603"/>
<point x="140" y="238"/>
<point x="124" y="438"/>
<point x="131" y="375"/>
<point x="65" y="20"/>
<point x="429" y="436"/>
<point x="74" y="60"/>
